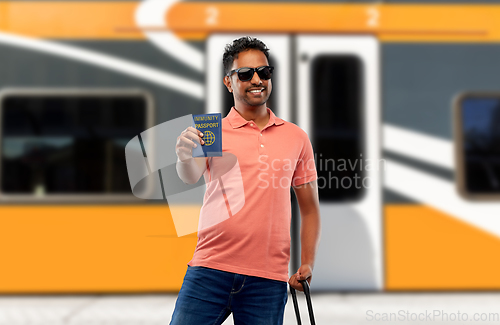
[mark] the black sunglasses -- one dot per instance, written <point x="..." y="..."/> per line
<point x="246" y="74"/>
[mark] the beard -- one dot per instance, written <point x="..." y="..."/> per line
<point x="255" y="101"/>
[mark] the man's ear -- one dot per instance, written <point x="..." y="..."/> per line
<point x="227" y="82"/>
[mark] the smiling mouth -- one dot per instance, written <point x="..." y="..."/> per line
<point x="256" y="91"/>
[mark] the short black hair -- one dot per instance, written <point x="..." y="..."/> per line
<point x="240" y="45"/>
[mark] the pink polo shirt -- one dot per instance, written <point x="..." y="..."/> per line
<point x="256" y="239"/>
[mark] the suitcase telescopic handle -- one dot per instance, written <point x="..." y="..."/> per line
<point x="305" y="285"/>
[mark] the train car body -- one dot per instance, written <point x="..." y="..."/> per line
<point x="407" y="92"/>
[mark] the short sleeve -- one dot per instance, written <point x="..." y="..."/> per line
<point x="305" y="170"/>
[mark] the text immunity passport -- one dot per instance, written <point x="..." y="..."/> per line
<point x="211" y="127"/>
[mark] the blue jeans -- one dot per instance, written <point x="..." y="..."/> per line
<point x="208" y="297"/>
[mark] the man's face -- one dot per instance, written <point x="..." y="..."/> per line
<point x="245" y="91"/>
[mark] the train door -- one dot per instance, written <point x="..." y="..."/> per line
<point x="328" y="85"/>
<point x="338" y="105"/>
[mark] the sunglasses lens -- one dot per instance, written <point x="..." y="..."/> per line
<point x="265" y="73"/>
<point x="245" y="74"/>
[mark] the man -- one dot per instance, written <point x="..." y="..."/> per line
<point x="240" y="265"/>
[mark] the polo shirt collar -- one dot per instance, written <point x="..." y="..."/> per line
<point x="236" y="120"/>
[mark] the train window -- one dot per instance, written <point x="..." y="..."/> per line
<point x="337" y="126"/>
<point x="477" y="127"/>
<point x="60" y="142"/>
<point x="228" y="98"/>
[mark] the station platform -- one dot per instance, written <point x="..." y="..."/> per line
<point x="330" y="308"/>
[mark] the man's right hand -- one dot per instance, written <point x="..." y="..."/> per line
<point x="189" y="139"/>
<point x="188" y="168"/>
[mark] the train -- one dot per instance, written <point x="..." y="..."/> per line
<point x="401" y="103"/>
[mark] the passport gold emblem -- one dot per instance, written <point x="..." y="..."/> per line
<point x="208" y="137"/>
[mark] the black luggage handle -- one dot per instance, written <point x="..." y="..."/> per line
<point x="305" y="285"/>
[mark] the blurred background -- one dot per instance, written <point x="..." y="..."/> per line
<point x="401" y="101"/>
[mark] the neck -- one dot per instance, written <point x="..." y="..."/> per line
<point x="258" y="114"/>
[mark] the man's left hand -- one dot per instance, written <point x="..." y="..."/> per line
<point x="304" y="273"/>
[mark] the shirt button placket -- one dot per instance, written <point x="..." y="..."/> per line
<point x="262" y="147"/>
